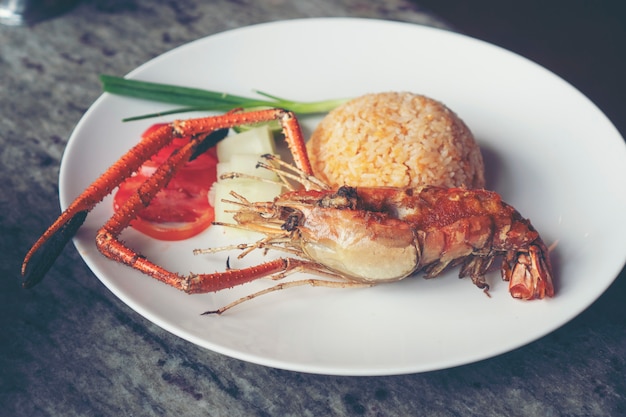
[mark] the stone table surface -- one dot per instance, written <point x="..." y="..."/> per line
<point x="70" y="348"/>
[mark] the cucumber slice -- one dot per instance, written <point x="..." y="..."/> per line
<point x="241" y="153"/>
<point x="245" y="164"/>
<point x="247" y="188"/>
<point x="257" y="141"/>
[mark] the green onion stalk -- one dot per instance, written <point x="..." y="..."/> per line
<point x="195" y="99"/>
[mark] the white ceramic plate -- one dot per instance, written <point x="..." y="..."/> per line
<point x="550" y="152"/>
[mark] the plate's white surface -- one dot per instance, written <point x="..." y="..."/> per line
<point x="550" y="152"/>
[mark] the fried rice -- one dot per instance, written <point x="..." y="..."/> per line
<point x="397" y="139"/>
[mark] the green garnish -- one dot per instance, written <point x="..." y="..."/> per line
<point x="195" y="99"/>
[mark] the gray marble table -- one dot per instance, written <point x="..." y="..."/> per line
<point x="71" y="348"/>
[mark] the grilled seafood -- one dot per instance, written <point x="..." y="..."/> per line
<point x="358" y="236"/>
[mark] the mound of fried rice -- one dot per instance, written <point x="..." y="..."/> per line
<point x="397" y="139"/>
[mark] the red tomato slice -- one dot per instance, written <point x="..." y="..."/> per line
<point x="181" y="210"/>
<point x="174" y="231"/>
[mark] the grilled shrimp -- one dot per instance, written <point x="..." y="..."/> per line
<point x="358" y="236"/>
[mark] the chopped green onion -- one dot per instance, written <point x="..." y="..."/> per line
<point x="195" y="99"/>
